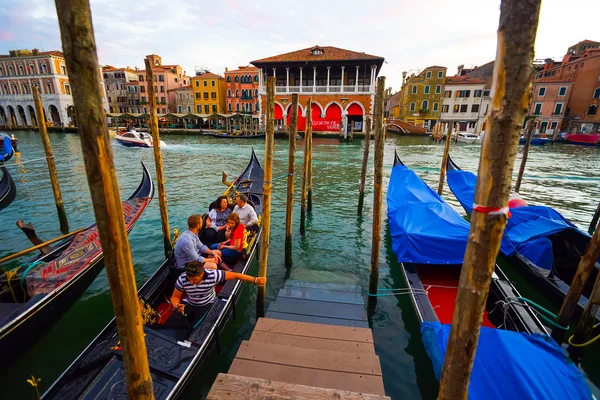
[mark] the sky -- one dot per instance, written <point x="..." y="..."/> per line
<point x="411" y="35"/>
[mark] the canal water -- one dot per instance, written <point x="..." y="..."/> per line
<point x="336" y="247"/>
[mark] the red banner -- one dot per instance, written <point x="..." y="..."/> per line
<point x="326" y="125"/>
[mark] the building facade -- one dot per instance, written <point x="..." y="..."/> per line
<point x="421" y="96"/>
<point x="242" y="90"/>
<point x="184" y="100"/>
<point x="392" y="106"/>
<point x="115" y="81"/>
<point x="166" y="77"/>
<point x="341" y="83"/>
<point x="20" y="70"/>
<point x="549" y="102"/>
<point x="465" y="103"/>
<point x="133" y="97"/>
<point x="209" y="93"/>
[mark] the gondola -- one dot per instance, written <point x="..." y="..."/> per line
<point x="8" y="189"/>
<point x="174" y="355"/>
<point x="538" y="242"/>
<point x="41" y="292"/>
<point x="227" y="136"/>
<point x="429" y="238"/>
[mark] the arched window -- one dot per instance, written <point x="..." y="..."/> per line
<point x="44" y="69"/>
<point x="15" y="89"/>
<point x="256" y="107"/>
<point x="438" y="89"/>
<point x="426" y="89"/>
<point x="21" y="70"/>
<point x="1" y="71"/>
<point x="48" y="88"/>
<point x="424" y="105"/>
<point x="229" y="107"/>
<point x="237" y="107"/>
<point x="414" y="89"/>
<point x="10" y="70"/>
<point x="237" y="93"/>
<point x="31" y="69"/>
<point x="255" y="78"/>
<point x="26" y="88"/>
<point x="228" y="78"/>
<point x="256" y="93"/>
<point x="236" y="79"/>
<point x="228" y="92"/>
<point x="593" y="109"/>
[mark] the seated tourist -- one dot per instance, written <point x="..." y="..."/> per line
<point x="245" y="211"/>
<point x="231" y="249"/>
<point x="198" y="284"/>
<point x="207" y="234"/>
<point x="218" y="217"/>
<point x="190" y="248"/>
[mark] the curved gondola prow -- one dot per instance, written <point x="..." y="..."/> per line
<point x="451" y="165"/>
<point x="7" y="150"/>
<point x="146" y="186"/>
<point x="8" y="189"/>
<point x="397" y="160"/>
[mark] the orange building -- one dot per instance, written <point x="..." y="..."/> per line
<point x="242" y="90"/>
<point x="341" y="83"/>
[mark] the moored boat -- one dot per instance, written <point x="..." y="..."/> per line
<point x="583" y="139"/>
<point x="429" y="238"/>
<point x="242" y="136"/>
<point x="8" y="189"/>
<point x="466" y="137"/>
<point x="34" y="297"/>
<point x="7" y="151"/>
<point x="174" y="355"/>
<point x="535" y="141"/>
<point x="134" y="138"/>
<point x="538" y="241"/>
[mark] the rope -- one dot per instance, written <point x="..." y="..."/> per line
<point x="586" y="343"/>
<point x="279" y="177"/>
<point x="29" y="268"/>
<point x="197" y="324"/>
<point x="396" y="292"/>
<point x="28" y="161"/>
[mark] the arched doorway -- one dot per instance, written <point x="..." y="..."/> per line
<point x="22" y="116"/>
<point x="301" y="119"/>
<point x="32" y="116"/>
<point x="333" y="116"/>
<point x="3" y="120"/>
<point x="278" y="115"/>
<point x="54" y="115"/>
<point x="72" y="115"/>
<point x="12" y="117"/>
<point x="355" y="117"/>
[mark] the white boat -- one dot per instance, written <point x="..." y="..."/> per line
<point x="134" y="138"/>
<point x="466" y="137"/>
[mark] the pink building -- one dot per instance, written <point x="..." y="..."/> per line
<point x="166" y="77"/>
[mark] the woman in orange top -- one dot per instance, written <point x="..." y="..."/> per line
<point x="231" y="249"/>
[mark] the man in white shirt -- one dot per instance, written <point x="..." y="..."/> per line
<point x="245" y="211"/>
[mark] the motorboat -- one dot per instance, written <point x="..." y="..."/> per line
<point x="466" y="137"/>
<point x="134" y="138"/>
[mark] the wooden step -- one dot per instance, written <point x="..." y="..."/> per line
<point x="306" y="329"/>
<point x="341" y="287"/>
<point x="332" y="296"/>
<point x="317" y="320"/>
<point x="235" y="387"/>
<point x="309" y="377"/>
<point x="338" y="345"/>
<point x="319" y="309"/>
<point x="366" y="364"/>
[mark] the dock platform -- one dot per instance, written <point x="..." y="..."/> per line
<point x="315" y="343"/>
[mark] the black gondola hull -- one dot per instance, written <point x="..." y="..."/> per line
<point x="8" y="189"/>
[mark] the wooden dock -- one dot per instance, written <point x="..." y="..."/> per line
<point x="314" y="344"/>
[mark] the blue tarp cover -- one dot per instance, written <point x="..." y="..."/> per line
<point x="424" y="228"/>
<point x="525" y="224"/>
<point x="511" y="365"/>
<point x="7" y="151"/>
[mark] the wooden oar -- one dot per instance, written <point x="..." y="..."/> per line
<point x="39" y="246"/>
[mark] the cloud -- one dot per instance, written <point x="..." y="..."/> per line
<point x="219" y="34"/>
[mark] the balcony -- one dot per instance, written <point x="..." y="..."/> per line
<point x="320" y="89"/>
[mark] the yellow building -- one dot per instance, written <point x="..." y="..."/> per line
<point x="209" y="93"/>
<point x="421" y="97"/>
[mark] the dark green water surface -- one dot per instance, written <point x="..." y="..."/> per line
<point x="336" y="247"/>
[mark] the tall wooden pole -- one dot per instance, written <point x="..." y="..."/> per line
<point x="79" y="46"/>
<point x="377" y="187"/>
<point x="289" y="207"/>
<point x="585" y="268"/>
<point x="267" y="186"/>
<point x="60" y="206"/>
<point x="160" y="177"/>
<point x="528" y="134"/>
<point x="309" y="135"/>
<point x="594" y="221"/>
<point x="363" y="171"/>
<point x="305" y="172"/>
<point x="445" y="160"/>
<point x="513" y="76"/>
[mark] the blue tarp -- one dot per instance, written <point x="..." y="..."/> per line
<point x="424" y="228"/>
<point x="7" y="151"/>
<point x="525" y="225"/>
<point x="511" y="365"/>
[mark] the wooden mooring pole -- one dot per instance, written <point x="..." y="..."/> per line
<point x="445" y="160"/>
<point x="363" y="171"/>
<point x="60" y="206"/>
<point x="309" y="134"/>
<point x="594" y="221"/>
<point x="79" y="46"/>
<point x="528" y="134"/>
<point x="513" y="76"/>
<point x="377" y="188"/>
<point x="289" y="207"/>
<point x="267" y="186"/>
<point x="584" y="269"/>
<point x="305" y="171"/>
<point x="160" y="177"/>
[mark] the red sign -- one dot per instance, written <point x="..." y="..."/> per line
<point x="326" y="125"/>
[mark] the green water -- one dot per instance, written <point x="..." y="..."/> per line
<point x="336" y="247"/>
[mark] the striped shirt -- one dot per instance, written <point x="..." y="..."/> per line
<point x="204" y="292"/>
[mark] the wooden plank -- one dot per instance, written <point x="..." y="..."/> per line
<point x="319" y="309"/>
<point x="338" y="345"/>
<point x="318" y="320"/>
<point x="236" y="387"/>
<point x="367" y="364"/>
<point x="314" y="330"/>
<point x="307" y="376"/>
<point x="325" y="286"/>
<point x="332" y="296"/>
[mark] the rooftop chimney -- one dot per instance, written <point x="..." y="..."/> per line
<point x="403" y="77"/>
<point x="226" y="69"/>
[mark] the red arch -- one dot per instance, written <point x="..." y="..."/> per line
<point x="354" y="109"/>
<point x="301" y="119"/>
<point x="334" y="112"/>
<point x="278" y="112"/>
<point x="316" y="111"/>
